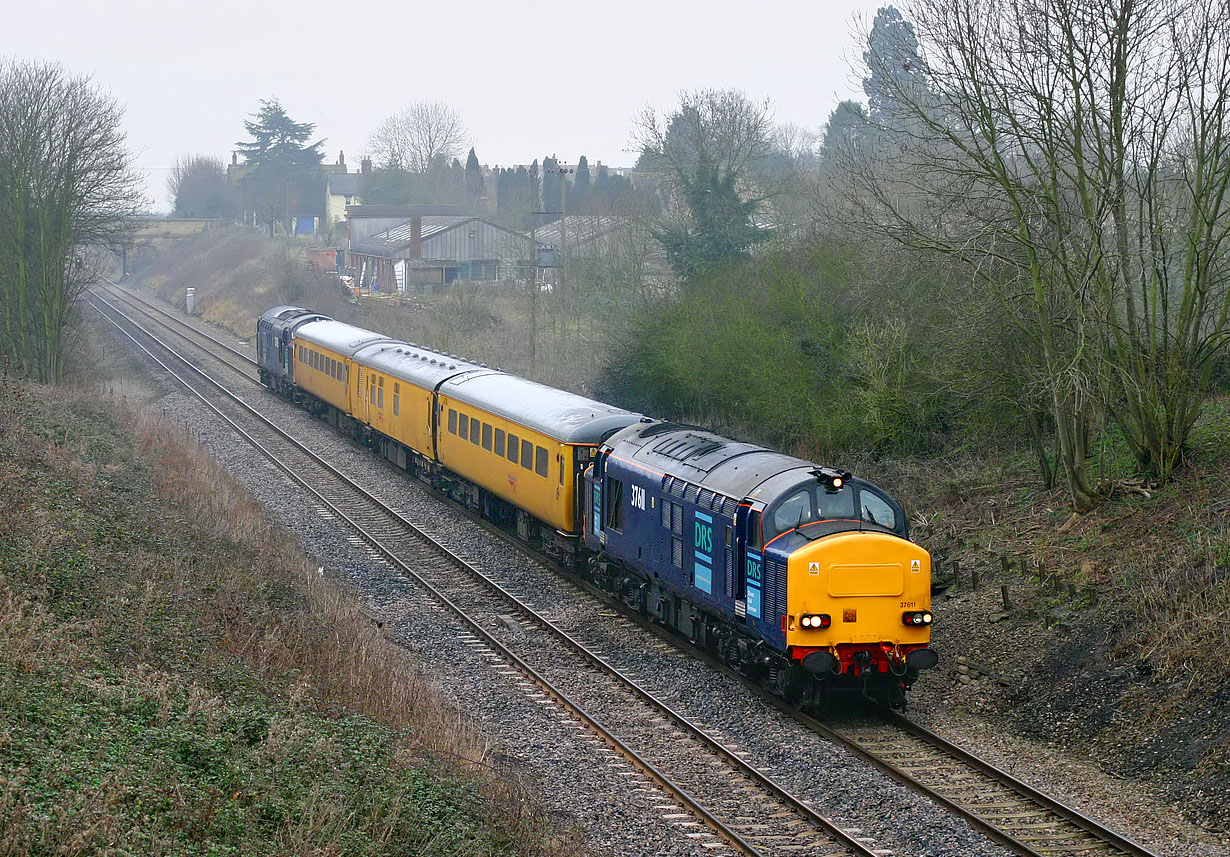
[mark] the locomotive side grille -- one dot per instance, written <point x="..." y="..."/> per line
<point x="775" y="587"/>
<point x="677" y="552"/>
<point x="676" y="519"/>
<point x="705" y="498"/>
<point x="690" y="492"/>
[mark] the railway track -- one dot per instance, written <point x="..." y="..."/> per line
<point x="1023" y="820"/>
<point x="719" y="799"/>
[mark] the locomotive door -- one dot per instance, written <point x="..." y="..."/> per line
<point x="749" y="563"/>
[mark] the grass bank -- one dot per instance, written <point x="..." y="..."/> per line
<point x="177" y="678"/>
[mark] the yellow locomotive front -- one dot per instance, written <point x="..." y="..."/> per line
<point x="859" y="605"/>
<point x="858" y="591"/>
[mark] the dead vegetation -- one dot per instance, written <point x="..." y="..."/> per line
<point x="175" y="674"/>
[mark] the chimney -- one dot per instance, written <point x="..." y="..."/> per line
<point x="341" y="159"/>
<point x="416" y="238"/>
<point x="234" y="159"/>
<point x="365" y="166"/>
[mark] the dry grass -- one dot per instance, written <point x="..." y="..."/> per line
<point x="147" y="604"/>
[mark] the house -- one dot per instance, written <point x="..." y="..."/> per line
<point x="341" y="190"/>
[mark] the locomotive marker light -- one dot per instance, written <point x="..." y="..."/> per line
<point x="816" y="620"/>
<point x="917" y="617"/>
<point x="832" y="480"/>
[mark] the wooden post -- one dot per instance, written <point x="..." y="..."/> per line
<point x="973" y="577"/>
<point x="1003" y="591"/>
<point x="1005" y="562"/>
<point x="1024" y="567"/>
<point x="956" y="572"/>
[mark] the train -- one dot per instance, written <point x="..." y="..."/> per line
<point x="799" y="576"/>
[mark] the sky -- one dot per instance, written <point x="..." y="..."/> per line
<point x="528" y="80"/>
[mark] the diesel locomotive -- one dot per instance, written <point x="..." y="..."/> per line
<point x="800" y="576"/>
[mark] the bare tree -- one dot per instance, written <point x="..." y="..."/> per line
<point x="1075" y="153"/>
<point x="199" y="187"/>
<point x="722" y="128"/>
<point x="419" y="136"/>
<point x="67" y="190"/>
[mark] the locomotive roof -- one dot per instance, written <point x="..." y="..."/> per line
<point x="287" y="316"/>
<point x="556" y="413"/>
<point x="345" y="339"/>
<point x="724" y="466"/>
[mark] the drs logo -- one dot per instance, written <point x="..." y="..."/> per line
<point x="704" y="537"/>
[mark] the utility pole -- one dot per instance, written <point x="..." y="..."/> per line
<point x="533" y="281"/>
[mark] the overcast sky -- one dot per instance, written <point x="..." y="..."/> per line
<point x="528" y="80"/>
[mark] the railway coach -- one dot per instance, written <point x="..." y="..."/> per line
<point x="510" y="448"/>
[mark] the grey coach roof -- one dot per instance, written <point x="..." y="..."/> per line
<point x="343" y="338"/>
<point x="564" y="416"/>
<point x="558" y="414"/>
<point x="420" y="366"/>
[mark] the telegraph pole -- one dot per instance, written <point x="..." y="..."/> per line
<point x="533" y="280"/>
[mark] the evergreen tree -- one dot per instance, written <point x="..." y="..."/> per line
<point x="720" y="230"/>
<point x="846" y="126"/>
<point x="551" y="178"/>
<point x="475" y="186"/>
<point x="895" y="68"/>
<point x="578" y="194"/>
<point x="533" y="188"/>
<point x="286" y="179"/>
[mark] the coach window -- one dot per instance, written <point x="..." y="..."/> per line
<point x="487" y="437"/>
<point x="541" y="465"/>
<point x="396" y="400"/>
<point x="381" y="392"/>
<point x="475" y="428"/>
<point x="527" y="455"/>
<point x="499" y="442"/>
<point x="452" y="421"/>
<point x="463" y="426"/>
<point x="614" y="504"/>
<point x="513" y="445"/>
<point x="561" y="469"/>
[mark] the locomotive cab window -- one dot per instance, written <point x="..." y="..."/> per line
<point x="614" y="505"/>
<point x="876" y="510"/>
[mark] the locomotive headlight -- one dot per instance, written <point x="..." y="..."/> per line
<point x="927" y="617"/>
<point x="838" y="482"/>
<point x="916" y="617"/>
<point x="806" y="620"/>
<point x="815" y="620"/>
